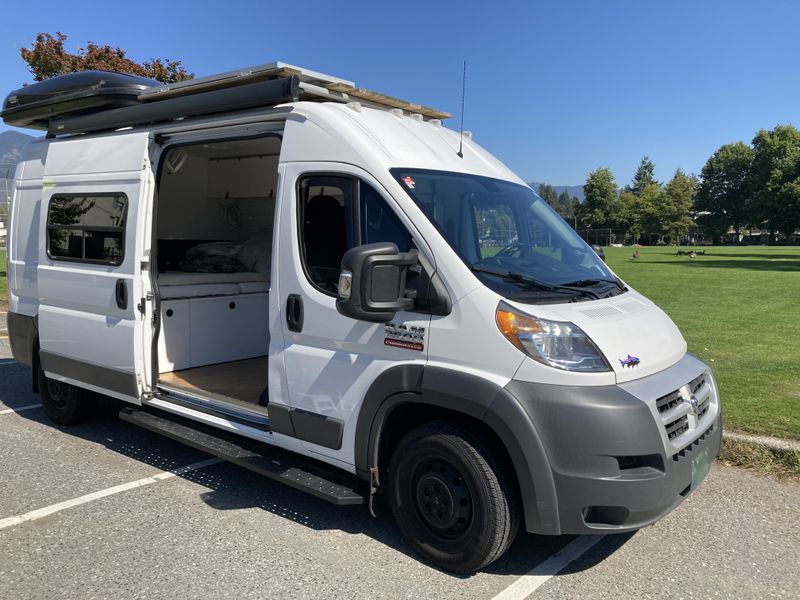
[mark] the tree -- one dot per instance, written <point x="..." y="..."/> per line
<point x="652" y="214"/>
<point x="775" y="178"/>
<point x="644" y="176"/>
<point x="630" y="214"/>
<point x="599" y="205"/>
<point x="47" y="58"/>
<point x="549" y="195"/>
<point x="566" y="206"/>
<point x="676" y="208"/>
<point x="724" y="198"/>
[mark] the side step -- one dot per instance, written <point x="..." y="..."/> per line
<point x="310" y="476"/>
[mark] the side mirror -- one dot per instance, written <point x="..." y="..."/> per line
<point x="372" y="282"/>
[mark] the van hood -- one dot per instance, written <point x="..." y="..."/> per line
<point x="625" y="328"/>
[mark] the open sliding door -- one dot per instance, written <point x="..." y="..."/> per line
<point x="96" y="199"/>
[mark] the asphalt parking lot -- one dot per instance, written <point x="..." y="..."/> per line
<point x="94" y="512"/>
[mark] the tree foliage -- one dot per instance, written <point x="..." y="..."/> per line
<point x="724" y="197"/>
<point x="600" y="196"/>
<point x="629" y="213"/>
<point x="754" y="185"/>
<point x="47" y="57"/>
<point x="675" y="211"/>
<point x="566" y="206"/>
<point x="775" y="177"/>
<point x="549" y="195"/>
<point x="644" y="176"/>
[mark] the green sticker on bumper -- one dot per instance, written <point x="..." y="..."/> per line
<point x="700" y="466"/>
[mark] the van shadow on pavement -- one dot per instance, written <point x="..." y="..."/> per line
<point x="232" y="488"/>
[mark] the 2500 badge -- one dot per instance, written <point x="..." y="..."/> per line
<point x="403" y="336"/>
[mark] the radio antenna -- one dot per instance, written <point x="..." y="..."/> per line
<point x="461" y="129"/>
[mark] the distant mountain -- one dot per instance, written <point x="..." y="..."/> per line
<point x="572" y="190"/>
<point x="11" y="143"/>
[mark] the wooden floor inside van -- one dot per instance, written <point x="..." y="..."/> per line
<point x="241" y="380"/>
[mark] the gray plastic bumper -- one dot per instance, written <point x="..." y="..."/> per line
<point x="621" y="457"/>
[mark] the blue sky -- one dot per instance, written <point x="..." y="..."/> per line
<point x="554" y="89"/>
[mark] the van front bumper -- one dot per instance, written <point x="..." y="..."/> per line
<point x="621" y="457"/>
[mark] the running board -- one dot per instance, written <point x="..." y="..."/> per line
<point x="303" y="474"/>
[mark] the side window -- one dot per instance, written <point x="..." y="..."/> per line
<point x="331" y="222"/>
<point x="379" y="223"/>
<point x="326" y="208"/>
<point x="87" y="228"/>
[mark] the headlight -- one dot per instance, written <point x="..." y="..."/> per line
<point x="558" y="344"/>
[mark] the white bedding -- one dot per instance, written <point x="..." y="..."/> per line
<point x="181" y="284"/>
<point x="186" y="278"/>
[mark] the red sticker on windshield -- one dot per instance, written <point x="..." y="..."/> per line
<point x="409" y="181"/>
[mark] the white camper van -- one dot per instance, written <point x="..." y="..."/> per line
<point x="325" y="285"/>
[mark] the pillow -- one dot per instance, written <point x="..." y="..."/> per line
<point x="256" y="253"/>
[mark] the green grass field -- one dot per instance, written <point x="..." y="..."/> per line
<point x="739" y="310"/>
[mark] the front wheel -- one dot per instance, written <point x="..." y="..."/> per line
<point x="63" y="403"/>
<point x="451" y="497"/>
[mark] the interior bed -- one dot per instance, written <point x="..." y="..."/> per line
<point x="215" y="216"/>
<point x="180" y="284"/>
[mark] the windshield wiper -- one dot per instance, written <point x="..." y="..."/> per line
<point x="532" y="281"/>
<point x="582" y="283"/>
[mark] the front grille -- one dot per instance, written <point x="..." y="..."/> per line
<point x="677" y="427"/>
<point x="682" y="411"/>
<point x="669" y="401"/>
<point x="703" y="408"/>
<point x="697" y="383"/>
<point x="692" y="445"/>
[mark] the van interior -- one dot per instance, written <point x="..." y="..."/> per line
<point x="214" y="226"/>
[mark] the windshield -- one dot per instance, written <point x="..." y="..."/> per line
<point x="513" y="240"/>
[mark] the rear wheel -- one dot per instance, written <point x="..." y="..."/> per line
<point x="451" y="497"/>
<point x="64" y="403"/>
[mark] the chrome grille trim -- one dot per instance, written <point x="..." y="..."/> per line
<point x="686" y="412"/>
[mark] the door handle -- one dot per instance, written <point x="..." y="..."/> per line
<point x="122" y="294"/>
<point x="294" y="312"/>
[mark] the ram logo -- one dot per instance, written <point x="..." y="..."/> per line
<point x="404" y="336"/>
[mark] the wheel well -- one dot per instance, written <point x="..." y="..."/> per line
<point x="408" y="415"/>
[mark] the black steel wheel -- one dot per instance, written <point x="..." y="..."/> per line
<point x="64" y="403"/>
<point x="452" y="498"/>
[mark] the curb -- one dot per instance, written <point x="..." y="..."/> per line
<point x="771" y="443"/>
<point x="762" y="454"/>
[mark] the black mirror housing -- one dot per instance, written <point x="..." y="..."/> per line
<point x="372" y="282"/>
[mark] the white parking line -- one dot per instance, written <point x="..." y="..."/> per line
<point x="536" y="577"/>
<point x="117" y="489"/>
<point x="7" y="411"/>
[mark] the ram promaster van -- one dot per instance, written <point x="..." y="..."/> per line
<point x="325" y="285"/>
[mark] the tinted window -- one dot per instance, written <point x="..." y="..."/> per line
<point x="379" y="223"/>
<point x="330" y="224"/>
<point x="87" y="228"/>
<point x="326" y="222"/>
<point x="509" y="236"/>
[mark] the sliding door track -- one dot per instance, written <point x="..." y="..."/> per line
<point x="217" y="406"/>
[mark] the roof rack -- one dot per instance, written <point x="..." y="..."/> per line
<point x="312" y="83"/>
<point x="95" y="100"/>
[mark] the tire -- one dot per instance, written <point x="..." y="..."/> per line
<point x="452" y="498"/>
<point x="63" y="403"/>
